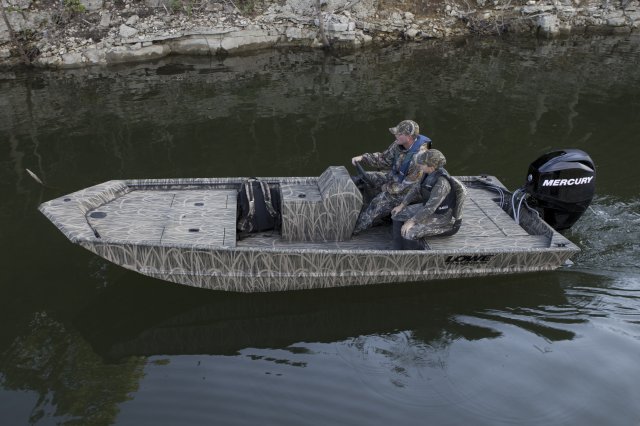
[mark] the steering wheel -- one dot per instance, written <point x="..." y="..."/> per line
<point x="363" y="175"/>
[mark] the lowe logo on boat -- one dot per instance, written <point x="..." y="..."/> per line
<point x="483" y="258"/>
<point x="567" y="182"/>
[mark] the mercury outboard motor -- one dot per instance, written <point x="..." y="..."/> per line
<point x="561" y="185"/>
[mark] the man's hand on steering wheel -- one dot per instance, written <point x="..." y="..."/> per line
<point x="361" y="172"/>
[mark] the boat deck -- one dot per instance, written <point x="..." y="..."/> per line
<point x="485" y="226"/>
<point x="208" y="216"/>
<point x="169" y="217"/>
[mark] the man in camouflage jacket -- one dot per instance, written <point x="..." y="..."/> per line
<point x="401" y="172"/>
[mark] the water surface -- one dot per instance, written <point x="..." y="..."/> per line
<point x="83" y="341"/>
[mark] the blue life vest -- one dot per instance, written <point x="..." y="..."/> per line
<point x="400" y="174"/>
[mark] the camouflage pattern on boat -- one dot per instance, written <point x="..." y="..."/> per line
<point x="184" y="231"/>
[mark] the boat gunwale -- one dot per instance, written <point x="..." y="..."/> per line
<point x="128" y="185"/>
<point x="210" y="247"/>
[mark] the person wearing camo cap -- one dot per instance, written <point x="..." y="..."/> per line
<point x="432" y="206"/>
<point x="400" y="172"/>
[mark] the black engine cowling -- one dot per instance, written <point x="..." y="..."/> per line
<point x="561" y="185"/>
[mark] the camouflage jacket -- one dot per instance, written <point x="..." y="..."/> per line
<point x="394" y="155"/>
<point x="433" y="198"/>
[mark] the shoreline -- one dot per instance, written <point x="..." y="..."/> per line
<point x="82" y="33"/>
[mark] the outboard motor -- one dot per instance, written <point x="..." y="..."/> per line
<point x="561" y="185"/>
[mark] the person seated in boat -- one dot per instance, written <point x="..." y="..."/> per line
<point x="433" y="206"/>
<point x="389" y="187"/>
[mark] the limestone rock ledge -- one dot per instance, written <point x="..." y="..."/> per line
<point x="78" y="33"/>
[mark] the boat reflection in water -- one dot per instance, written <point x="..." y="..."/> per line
<point x="435" y="314"/>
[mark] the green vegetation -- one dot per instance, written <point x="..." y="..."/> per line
<point x="247" y="7"/>
<point x="74" y="6"/>
<point x="176" y="5"/>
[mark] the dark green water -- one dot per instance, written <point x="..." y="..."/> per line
<point x="86" y="342"/>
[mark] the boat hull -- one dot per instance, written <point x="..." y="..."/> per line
<point x="266" y="270"/>
<point x="184" y="231"/>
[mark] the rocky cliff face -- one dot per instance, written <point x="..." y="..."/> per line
<point x="77" y="33"/>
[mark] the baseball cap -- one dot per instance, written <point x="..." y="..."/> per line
<point x="431" y="157"/>
<point x="406" y="127"/>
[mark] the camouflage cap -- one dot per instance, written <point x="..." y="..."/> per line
<point x="406" y="127"/>
<point x="431" y="157"/>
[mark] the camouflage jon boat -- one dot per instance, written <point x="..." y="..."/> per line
<point x="184" y="231"/>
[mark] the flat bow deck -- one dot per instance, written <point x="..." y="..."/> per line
<point x="184" y="230"/>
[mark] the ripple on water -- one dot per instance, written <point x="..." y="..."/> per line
<point x="608" y="234"/>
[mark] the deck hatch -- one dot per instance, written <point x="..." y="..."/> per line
<point x="169" y="217"/>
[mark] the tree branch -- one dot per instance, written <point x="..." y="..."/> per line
<point x="323" y="35"/>
<point x="14" y="37"/>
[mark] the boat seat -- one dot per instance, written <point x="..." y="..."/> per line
<point x="322" y="210"/>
